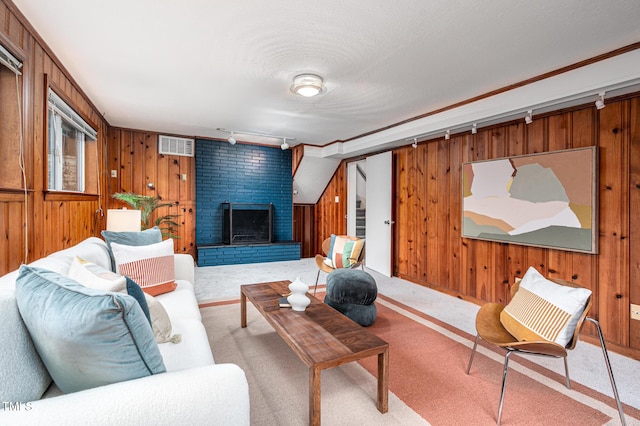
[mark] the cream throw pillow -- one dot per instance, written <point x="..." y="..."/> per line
<point x="544" y="310"/>
<point x="160" y="322"/>
<point x="95" y="276"/>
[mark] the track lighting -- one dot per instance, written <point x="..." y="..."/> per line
<point x="447" y="135"/>
<point x="232" y="137"/>
<point x="529" y="117"/>
<point x="415" y="143"/>
<point x="600" y="102"/>
<point x="474" y="129"/>
<point x="307" y="85"/>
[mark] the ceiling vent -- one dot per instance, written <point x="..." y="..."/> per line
<point x="171" y="145"/>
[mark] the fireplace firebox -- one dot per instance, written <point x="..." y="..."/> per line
<point x="247" y="223"/>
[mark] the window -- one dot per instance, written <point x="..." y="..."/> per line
<point x="68" y="134"/>
<point x="10" y="121"/>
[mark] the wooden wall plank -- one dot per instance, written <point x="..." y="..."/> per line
<point x="634" y="223"/>
<point x="480" y="271"/>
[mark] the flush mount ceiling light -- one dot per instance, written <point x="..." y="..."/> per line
<point x="307" y="85"/>
<point x="600" y="102"/>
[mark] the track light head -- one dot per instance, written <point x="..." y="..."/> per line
<point x="447" y="135"/>
<point x="284" y="145"/>
<point x="474" y="129"/>
<point x="415" y="143"/>
<point x="528" y="119"/>
<point x="231" y="139"/>
<point x="600" y="102"/>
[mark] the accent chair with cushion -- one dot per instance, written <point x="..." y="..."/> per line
<point x="339" y="251"/>
<point x="544" y="317"/>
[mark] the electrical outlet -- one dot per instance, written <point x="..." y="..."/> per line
<point x="183" y="176"/>
<point x="114" y="173"/>
<point x="635" y="312"/>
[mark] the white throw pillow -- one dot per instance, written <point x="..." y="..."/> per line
<point x="151" y="266"/>
<point x="544" y="310"/>
<point x="94" y="276"/>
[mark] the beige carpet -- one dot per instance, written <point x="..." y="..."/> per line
<point x="427" y="363"/>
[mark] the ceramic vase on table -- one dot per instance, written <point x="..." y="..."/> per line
<point x="298" y="298"/>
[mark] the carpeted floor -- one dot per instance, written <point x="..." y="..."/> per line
<point x="427" y="377"/>
<point x="585" y="363"/>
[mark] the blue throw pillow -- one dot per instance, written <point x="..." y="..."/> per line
<point x="85" y="337"/>
<point x="135" y="291"/>
<point x="133" y="238"/>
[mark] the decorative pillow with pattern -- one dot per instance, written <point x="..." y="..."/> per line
<point x="544" y="310"/>
<point x="344" y="251"/>
<point x="151" y="266"/>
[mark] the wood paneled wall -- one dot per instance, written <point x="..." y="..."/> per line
<point x="40" y="221"/>
<point x="429" y="249"/>
<point x="133" y="154"/>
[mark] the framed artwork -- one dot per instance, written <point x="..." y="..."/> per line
<point x="543" y="200"/>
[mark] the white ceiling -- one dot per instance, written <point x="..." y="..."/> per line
<point x="192" y="66"/>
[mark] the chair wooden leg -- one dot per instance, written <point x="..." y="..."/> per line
<point x="473" y="352"/>
<point x="608" y="363"/>
<point x="504" y="385"/>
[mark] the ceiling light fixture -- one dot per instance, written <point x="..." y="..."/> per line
<point x="447" y="135"/>
<point x="231" y="139"/>
<point x="284" y="145"/>
<point x="415" y="143"/>
<point x="474" y="129"/>
<point x="600" y="102"/>
<point x="529" y="117"/>
<point x="307" y="85"/>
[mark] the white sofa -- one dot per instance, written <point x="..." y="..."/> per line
<point x="194" y="390"/>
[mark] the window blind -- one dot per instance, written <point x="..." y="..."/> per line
<point x="10" y="61"/>
<point x="60" y="107"/>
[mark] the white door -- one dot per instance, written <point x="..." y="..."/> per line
<point x="379" y="224"/>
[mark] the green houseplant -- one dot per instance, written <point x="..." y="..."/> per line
<point x="148" y="205"/>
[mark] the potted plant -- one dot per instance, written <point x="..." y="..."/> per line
<point x="148" y="205"/>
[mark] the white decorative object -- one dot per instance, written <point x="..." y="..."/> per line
<point x="298" y="298"/>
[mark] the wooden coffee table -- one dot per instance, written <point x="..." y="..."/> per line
<point x="321" y="337"/>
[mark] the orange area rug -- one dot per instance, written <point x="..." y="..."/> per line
<point x="428" y="373"/>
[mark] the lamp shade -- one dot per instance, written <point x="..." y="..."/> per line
<point x="123" y="220"/>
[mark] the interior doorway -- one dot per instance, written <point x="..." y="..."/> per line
<point x="369" y="201"/>
<point x="357" y="198"/>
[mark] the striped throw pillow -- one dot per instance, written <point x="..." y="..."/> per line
<point x="151" y="266"/>
<point x="344" y="251"/>
<point x="544" y="310"/>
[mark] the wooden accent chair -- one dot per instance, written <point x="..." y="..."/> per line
<point x="323" y="267"/>
<point x="491" y="330"/>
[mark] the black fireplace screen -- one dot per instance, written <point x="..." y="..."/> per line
<point x="245" y="223"/>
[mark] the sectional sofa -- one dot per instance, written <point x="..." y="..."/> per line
<point x="193" y="389"/>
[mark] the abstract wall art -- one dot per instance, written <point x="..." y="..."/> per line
<point x="544" y="200"/>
